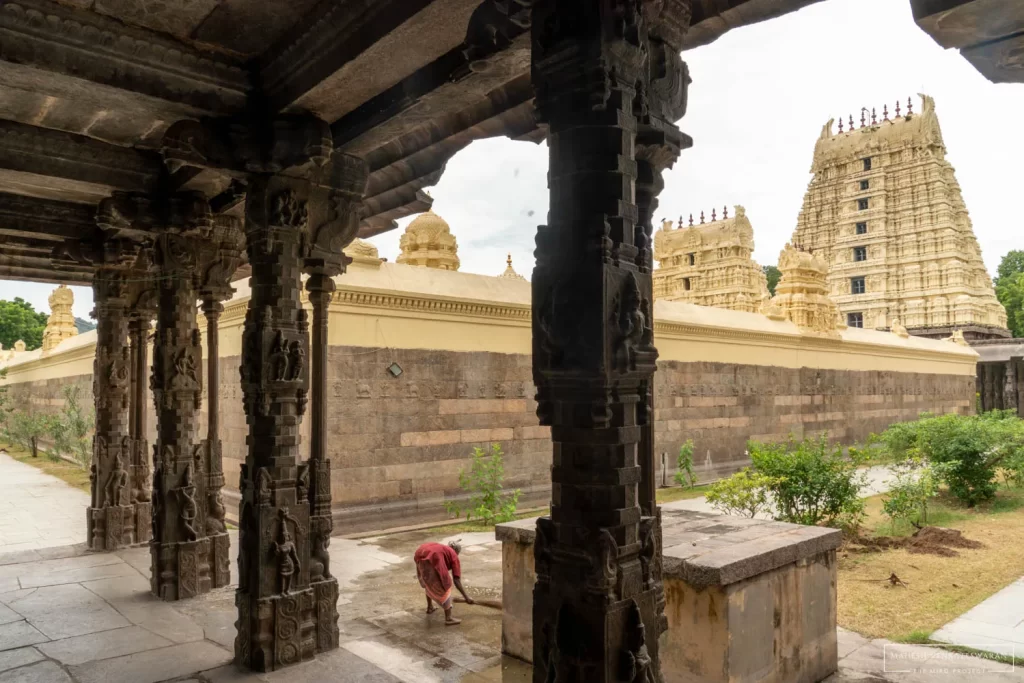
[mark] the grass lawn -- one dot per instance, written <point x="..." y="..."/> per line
<point x="62" y="469"/>
<point x="939" y="589"/>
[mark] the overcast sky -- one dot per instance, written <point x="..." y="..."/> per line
<point x="759" y="98"/>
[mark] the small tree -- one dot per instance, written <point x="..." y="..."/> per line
<point x="745" y="493"/>
<point x="915" y="482"/>
<point x="70" y="429"/>
<point x="684" y="474"/>
<point x="772" y="274"/>
<point x="488" y="500"/>
<point x="25" y="429"/>
<point x="814" y="482"/>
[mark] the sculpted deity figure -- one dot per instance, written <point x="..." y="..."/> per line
<point x="287" y="555"/>
<point x="117" y="485"/>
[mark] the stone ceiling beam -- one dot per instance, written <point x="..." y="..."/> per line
<point x="50" y="162"/>
<point x="62" y="51"/>
<point x="22" y="216"/>
<point x="988" y="33"/>
<point x="322" y="64"/>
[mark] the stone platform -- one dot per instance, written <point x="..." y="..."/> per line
<point x="747" y="599"/>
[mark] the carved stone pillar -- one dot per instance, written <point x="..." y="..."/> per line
<point x="609" y="108"/>
<point x="274" y="596"/>
<point x="111" y="518"/>
<point x="183" y="563"/>
<point x="138" y="333"/>
<point x="217" y="265"/>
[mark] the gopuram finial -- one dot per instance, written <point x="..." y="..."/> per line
<point x="691" y="220"/>
<point x="840" y="124"/>
<point x="874" y="119"/>
<point x="713" y="218"/>
<point x="863" y="118"/>
<point x="851" y="123"/>
<point x="725" y="212"/>
<point x="702" y="218"/>
<point x="897" y="108"/>
<point x="885" y="112"/>
<point x="910" y="106"/>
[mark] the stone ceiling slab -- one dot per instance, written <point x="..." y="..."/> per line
<point x="265" y="21"/>
<point x="178" y="18"/>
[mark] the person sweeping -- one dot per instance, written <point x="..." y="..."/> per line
<point x="438" y="569"/>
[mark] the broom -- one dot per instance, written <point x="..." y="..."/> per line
<point x="483" y="602"/>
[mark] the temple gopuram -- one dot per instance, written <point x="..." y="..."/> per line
<point x="885" y="211"/>
<point x="710" y="264"/>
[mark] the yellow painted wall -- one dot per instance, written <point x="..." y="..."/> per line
<point x="408" y="307"/>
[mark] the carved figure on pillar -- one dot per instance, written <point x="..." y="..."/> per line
<point x="111" y="518"/>
<point x="609" y="84"/>
<point x="143" y="295"/>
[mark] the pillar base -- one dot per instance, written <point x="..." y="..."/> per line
<point x="118" y="526"/>
<point x="565" y="634"/>
<point x="285" y="629"/>
<point x="190" y="568"/>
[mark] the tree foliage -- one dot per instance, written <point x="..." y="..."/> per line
<point x="685" y="476"/>
<point x="18" y="320"/>
<point x="745" y="493"/>
<point x="488" y="500"/>
<point x="70" y="430"/>
<point x="967" y="450"/>
<point x="773" y="274"/>
<point x="1009" y="283"/>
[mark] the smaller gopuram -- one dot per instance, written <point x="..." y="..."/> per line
<point x="428" y="241"/>
<point x="801" y="296"/>
<point x="885" y="211"/>
<point x="61" y="323"/>
<point x="710" y="264"/>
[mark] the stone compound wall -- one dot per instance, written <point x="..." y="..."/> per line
<point x="397" y="444"/>
<point x="720" y="406"/>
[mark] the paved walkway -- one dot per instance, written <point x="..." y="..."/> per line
<point x="37" y="510"/>
<point x="996" y="625"/>
<point x="69" y="616"/>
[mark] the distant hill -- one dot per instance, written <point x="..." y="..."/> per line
<point x="84" y="325"/>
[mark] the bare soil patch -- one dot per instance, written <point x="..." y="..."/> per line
<point x="929" y="540"/>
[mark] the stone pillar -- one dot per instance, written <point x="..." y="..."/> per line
<point x="111" y="515"/>
<point x="138" y="334"/>
<point x="287" y="598"/>
<point x="218" y="264"/>
<point x="181" y="552"/>
<point x="274" y="596"/>
<point x="609" y="83"/>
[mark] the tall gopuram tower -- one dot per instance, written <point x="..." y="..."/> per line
<point x="710" y="264"/>
<point x="885" y="210"/>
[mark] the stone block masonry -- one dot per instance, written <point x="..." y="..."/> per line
<point x="460" y="344"/>
<point x="397" y="444"/>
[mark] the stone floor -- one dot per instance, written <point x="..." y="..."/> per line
<point x="70" y="616"/>
<point x="37" y="510"/>
<point x="996" y="625"/>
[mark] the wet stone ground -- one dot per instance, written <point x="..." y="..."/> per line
<point x="71" y="616"/>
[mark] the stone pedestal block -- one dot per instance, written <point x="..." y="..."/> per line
<point x="746" y="600"/>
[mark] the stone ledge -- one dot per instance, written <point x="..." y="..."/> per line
<point x="717" y="550"/>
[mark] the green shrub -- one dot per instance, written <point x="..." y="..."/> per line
<point x="745" y="493"/>
<point x="915" y="482"/>
<point x="488" y="501"/>
<point x="814" y="482"/>
<point x="970" y="448"/>
<point x="684" y="474"/>
<point x="70" y="430"/>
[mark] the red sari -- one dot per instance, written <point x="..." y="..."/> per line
<point x="436" y="565"/>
